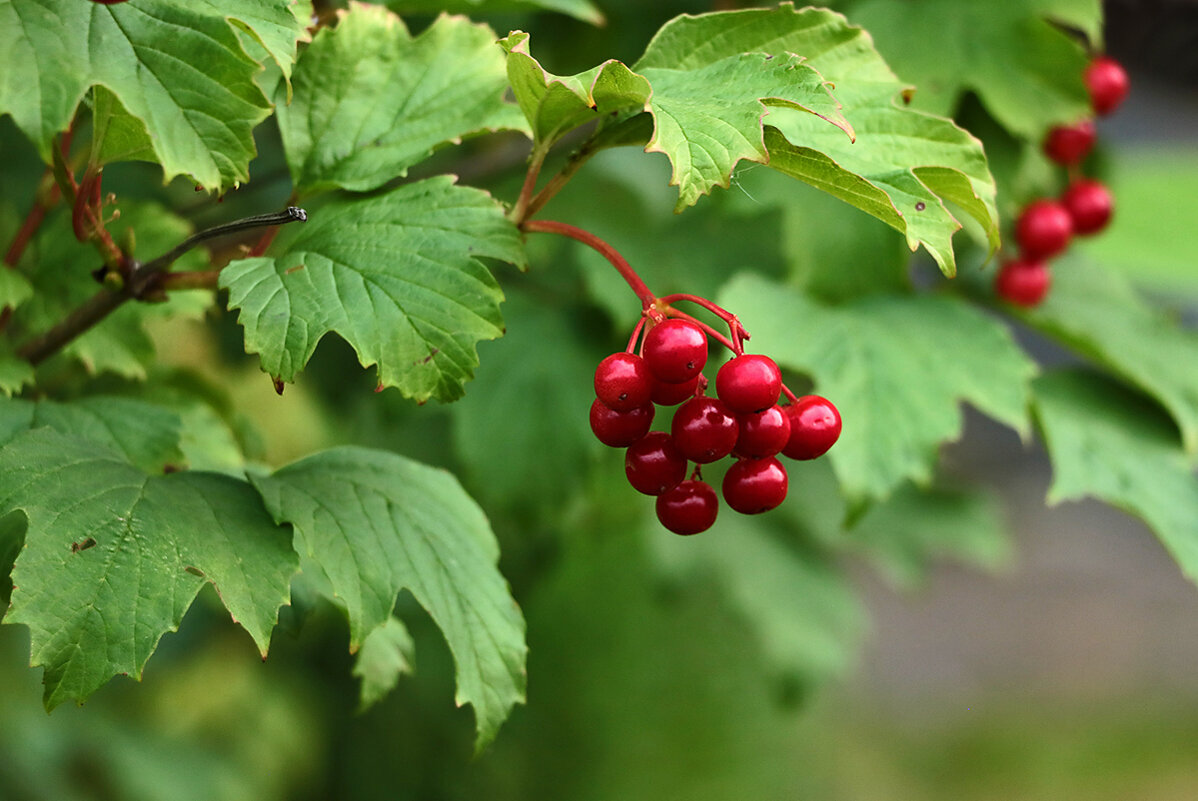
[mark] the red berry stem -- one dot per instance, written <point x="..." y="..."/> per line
<point x="636" y="334"/>
<point x="793" y="398"/>
<point x="647" y="298"/>
<point x="737" y="331"/>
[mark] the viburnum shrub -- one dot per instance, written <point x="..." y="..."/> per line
<point x="188" y="187"/>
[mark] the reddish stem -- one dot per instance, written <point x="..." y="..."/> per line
<point x="33" y="220"/>
<point x="647" y="298"/>
<point x="636" y="333"/>
<point x="786" y="391"/>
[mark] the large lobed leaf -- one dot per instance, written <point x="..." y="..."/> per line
<point x="1026" y="69"/>
<point x="397" y="275"/>
<point x="903" y="166"/>
<point x="1110" y="443"/>
<point x="378" y="523"/>
<point x="370" y="100"/>
<point x="114" y="557"/>
<point x="178" y="68"/>
<point x="896" y="366"/>
<point x="1099" y="314"/>
<point x="713" y="86"/>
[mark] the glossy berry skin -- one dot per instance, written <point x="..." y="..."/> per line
<point x="753" y="486"/>
<point x="1089" y="204"/>
<point x="1043" y="229"/>
<point x="664" y="394"/>
<point x="653" y="464"/>
<point x="749" y="383"/>
<point x="763" y="433"/>
<point x="1023" y="282"/>
<point x="704" y="429"/>
<point x="1108" y="84"/>
<point x="814" y="427"/>
<point x="622" y="381"/>
<point x="688" y="508"/>
<point x="1070" y="144"/>
<point x="620" y="429"/>
<point x="675" y="350"/>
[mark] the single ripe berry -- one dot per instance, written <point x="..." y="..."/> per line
<point x="1023" y="282"/>
<point x="753" y="486"/>
<point x="1070" y="144"/>
<point x="622" y="381"/>
<point x="749" y="383"/>
<point x="1043" y="229"/>
<point x="664" y="394"/>
<point x="762" y="433"/>
<point x="1089" y="204"/>
<point x="653" y="464"/>
<point x="1108" y="84"/>
<point x="675" y="350"/>
<point x="704" y="429"/>
<point x="620" y="429"/>
<point x="688" y="508"/>
<point x="814" y="427"/>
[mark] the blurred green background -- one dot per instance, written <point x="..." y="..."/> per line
<point x="775" y="662"/>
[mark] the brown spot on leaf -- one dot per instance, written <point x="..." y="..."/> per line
<point x="431" y="354"/>
<point x="76" y="547"/>
<point x="195" y="571"/>
<point x="920" y="206"/>
<point x="278" y="382"/>
<point x="294" y="269"/>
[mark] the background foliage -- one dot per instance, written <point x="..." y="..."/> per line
<point x="656" y="666"/>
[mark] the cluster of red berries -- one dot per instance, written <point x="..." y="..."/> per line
<point x="1045" y="227"/>
<point x="744" y="421"/>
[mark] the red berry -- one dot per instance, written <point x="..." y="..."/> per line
<point x="1023" y="282"/>
<point x="1108" y="84"/>
<point x="664" y="394"/>
<point x="1043" y="229"/>
<point x="704" y="429"/>
<point x="814" y="427"/>
<point x="688" y="508"/>
<point x="763" y="433"/>
<point x="622" y="381"/>
<point x="1089" y="204"/>
<point x="1070" y="144"/>
<point x="675" y="350"/>
<point x="620" y="429"/>
<point x="653" y="464"/>
<point x="749" y="383"/>
<point x="752" y="486"/>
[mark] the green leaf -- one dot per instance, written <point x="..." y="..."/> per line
<point x="386" y="654"/>
<point x="554" y="105"/>
<point x="500" y="458"/>
<point x="397" y="275"/>
<point x="145" y="434"/>
<point x="378" y="523"/>
<point x="714" y="82"/>
<point x="12" y="539"/>
<point x="1099" y="314"/>
<point x="15" y="373"/>
<point x="1026" y="70"/>
<point x="579" y="9"/>
<point x="917" y="526"/>
<point x="896" y="366"/>
<point x="113" y="558"/>
<point x="180" y="69"/>
<point x="370" y="101"/>
<point x="1109" y="443"/>
<point x="904" y="165"/>
<point x="15" y="288"/>
<point x="802" y="611"/>
<point x="60" y="270"/>
<point x="1150" y="239"/>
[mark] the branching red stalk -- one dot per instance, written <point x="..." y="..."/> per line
<point x="647" y="298"/>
